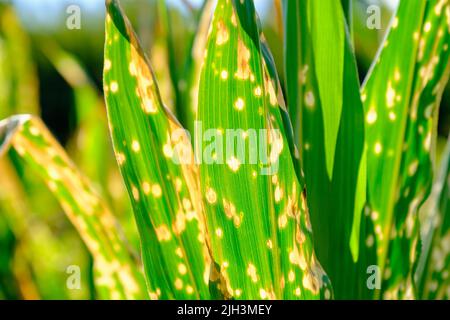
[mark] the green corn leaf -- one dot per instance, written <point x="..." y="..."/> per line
<point x="401" y="98"/>
<point x="150" y="146"/>
<point x="347" y="6"/>
<point x="336" y="220"/>
<point x="256" y="208"/>
<point x="432" y="271"/>
<point x="117" y="276"/>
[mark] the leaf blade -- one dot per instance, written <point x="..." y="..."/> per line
<point x="262" y="226"/>
<point x="117" y="276"/>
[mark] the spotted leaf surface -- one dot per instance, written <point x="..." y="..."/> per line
<point x="156" y="161"/>
<point x="116" y="274"/>
<point x="432" y="271"/>
<point x="256" y="210"/>
<point x="401" y="98"/>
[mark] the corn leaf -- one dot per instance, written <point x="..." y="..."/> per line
<point x="117" y="276"/>
<point x="432" y="271"/>
<point x="326" y="20"/>
<point x="38" y="277"/>
<point x="336" y="220"/>
<point x="401" y="97"/>
<point x="90" y="147"/>
<point x="256" y="208"/>
<point x="152" y="150"/>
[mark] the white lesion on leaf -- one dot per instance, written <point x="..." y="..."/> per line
<point x="107" y="64"/>
<point x="390" y="95"/>
<point x="239" y="104"/>
<point x="114" y="86"/>
<point x="135" y="193"/>
<point x="310" y="100"/>
<point x="252" y="272"/>
<point x="135" y="146"/>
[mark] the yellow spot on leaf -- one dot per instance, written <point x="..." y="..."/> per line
<point x="371" y="116"/>
<point x="278" y="194"/>
<point x="178" y="284"/>
<point x="107" y="65"/>
<point x="156" y="190"/>
<point x="163" y="233"/>
<point x="135" y="193"/>
<point x="243" y="72"/>
<point x="378" y="148"/>
<point x="211" y="196"/>
<point x="239" y="104"/>
<point x="258" y="91"/>
<point x="146" y="187"/>
<point x="135" y="146"/>
<point x="182" y="268"/>
<point x="251" y="272"/>
<point x="390" y="96"/>
<point x="222" y="33"/>
<point x="310" y="101"/>
<point x="114" y="86"/>
<point x="224" y="74"/>
<point x="120" y="158"/>
<point x="234" y="164"/>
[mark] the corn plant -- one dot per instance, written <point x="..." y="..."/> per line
<point x="337" y="191"/>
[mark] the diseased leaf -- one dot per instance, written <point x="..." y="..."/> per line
<point x="256" y="208"/>
<point x="90" y="146"/>
<point x="432" y="271"/>
<point x="401" y="98"/>
<point x="156" y="161"/>
<point x="117" y="276"/>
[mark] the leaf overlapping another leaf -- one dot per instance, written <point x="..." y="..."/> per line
<point x="330" y="136"/>
<point x="149" y="144"/>
<point x="117" y="275"/>
<point x="401" y="97"/>
<point x="258" y="223"/>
